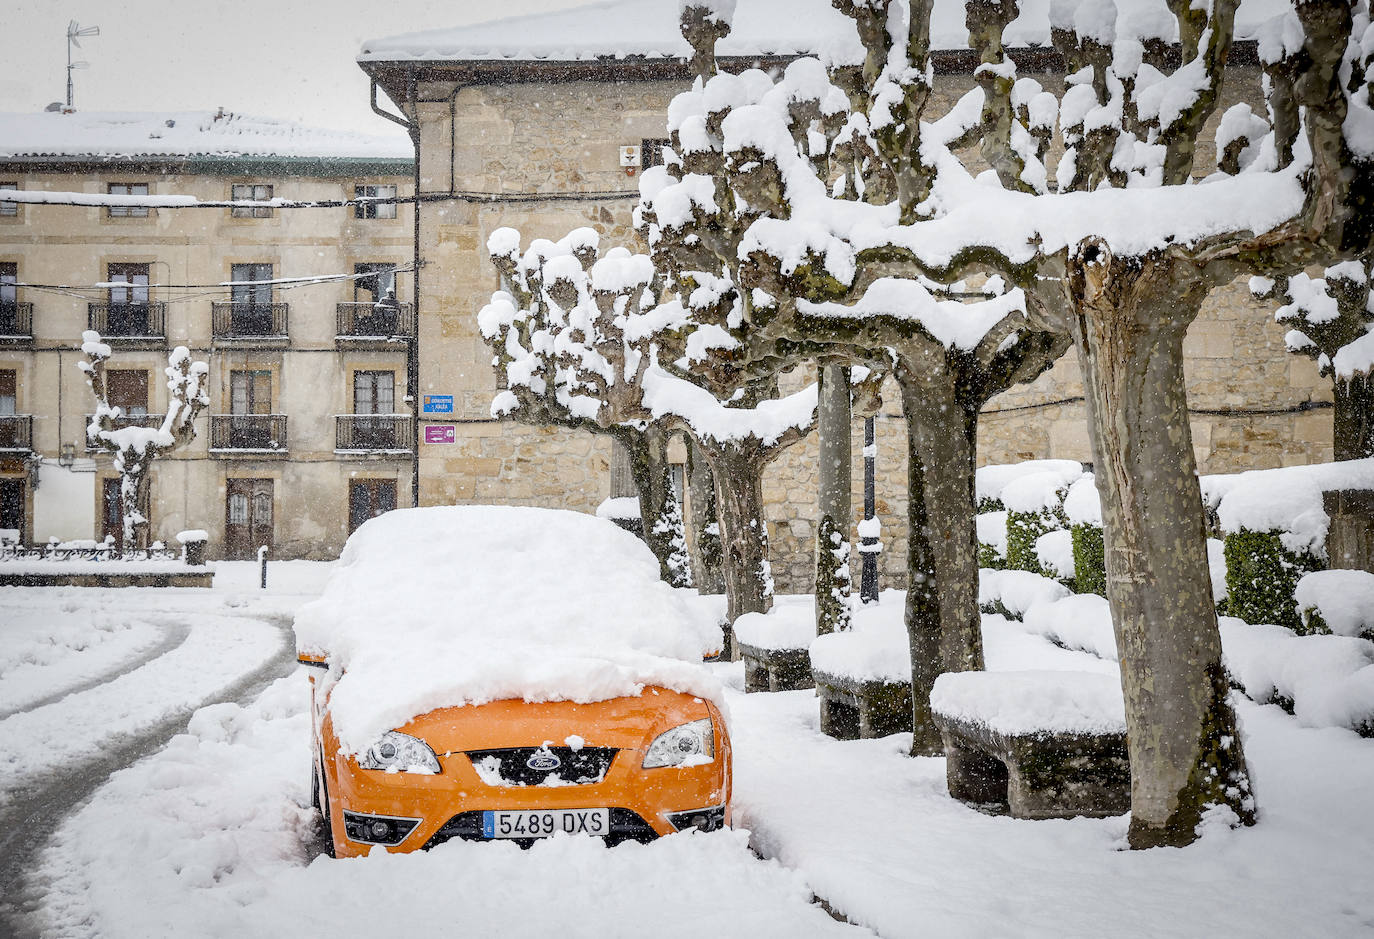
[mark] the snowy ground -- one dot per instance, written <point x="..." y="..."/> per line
<point x="209" y="833"/>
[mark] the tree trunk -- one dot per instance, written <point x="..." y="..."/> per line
<point x="1352" y="429"/>
<point x="1186" y="755"/>
<point x="658" y="505"/>
<point x="743" y="532"/>
<point x="832" y="528"/>
<point x="942" y="617"/>
<point x="708" y="563"/>
<point x="133" y="497"/>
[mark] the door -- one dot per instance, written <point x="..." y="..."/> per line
<point x="248" y="518"/>
<point x="378" y="289"/>
<point x="252" y="299"/>
<point x="250" y="403"/>
<point x="128" y="300"/>
<point x="9" y="297"/>
<point x="9" y="398"/>
<point x="127" y="389"/>
<point x="12" y="509"/>
<point x="374" y="393"/>
<point x="368" y="498"/>
<point x="111" y="512"/>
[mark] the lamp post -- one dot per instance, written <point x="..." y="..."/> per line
<point x="74" y="31"/>
<point x="869" y="543"/>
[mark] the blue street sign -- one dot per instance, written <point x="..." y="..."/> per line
<point x="437" y="404"/>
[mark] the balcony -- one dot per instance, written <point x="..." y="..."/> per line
<point x="16" y="433"/>
<point x="249" y="323"/>
<point x="129" y="324"/>
<point x="249" y="434"/>
<point x="373" y="324"/>
<point x="16" y="323"/>
<point x="125" y="420"/>
<point x="373" y="433"/>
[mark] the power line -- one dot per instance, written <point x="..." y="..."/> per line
<point x="96" y="200"/>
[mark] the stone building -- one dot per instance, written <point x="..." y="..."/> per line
<point x="308" y="432"/>
<point x="546" y="105"/>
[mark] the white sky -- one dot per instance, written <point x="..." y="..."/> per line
<point x="282" y="58"/>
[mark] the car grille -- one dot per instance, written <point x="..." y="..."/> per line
<point x="625" y="826"/>
<point x="510" y="766"/>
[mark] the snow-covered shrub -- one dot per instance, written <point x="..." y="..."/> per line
<point x="1011" y="593"/>
<point x="1339" y="602"/>
<point x="1261" y="576"/>
<point x="1054" y="550"/>
<point x="992" y="539"/>
<point x="1034" y="508"/>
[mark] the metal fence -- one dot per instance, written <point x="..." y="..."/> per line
<point x="248" y="432"/>
<point x="128" y="320"/>
<point x="248" y="320"/>
<point x="373" y="432"/>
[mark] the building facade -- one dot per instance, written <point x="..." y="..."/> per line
<point x="545" y="105"/>
<point x="300" y="313"/>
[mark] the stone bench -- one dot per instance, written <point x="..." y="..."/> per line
<point x="775" y="669"/>
<point x="853" y="708"/>
<point x="1035" y="744"/>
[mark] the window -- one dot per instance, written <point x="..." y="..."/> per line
<point x="127" y="389"/>
<point x="251" y="285"/>
<point x="9" y="209"/>
<point x="379" y="284"/>
<point x="651" y="151"/>
<point x="250" y="192"/>
<point x="250" y="392"/>
<point x="372" y="209"/>
<point x="368" y="498"/>
<point x="9" y="392"/>
<point x="128" y="211"/>
<point x="9" y="296"/>
<point x="374" y="392"/>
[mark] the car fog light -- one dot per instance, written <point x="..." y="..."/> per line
<point x="377" y="829"/>
<point x="707" y="819"/>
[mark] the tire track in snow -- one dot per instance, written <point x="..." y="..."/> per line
<point x="33" y="815"/>
<point x="175" y="633"/>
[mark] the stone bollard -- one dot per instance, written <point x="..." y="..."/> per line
<point x="193" y="547"/>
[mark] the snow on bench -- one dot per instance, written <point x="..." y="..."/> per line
<point x="863" y="676"/>
<point x="774" y="646"/>
<point x="1043" y="744"/>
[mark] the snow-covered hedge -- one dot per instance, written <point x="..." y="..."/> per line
<point x="1012" y="593"/>
<point x="1034" y="508"/>
<point x="1339" y="602"/>
<point x="992" y="540"/>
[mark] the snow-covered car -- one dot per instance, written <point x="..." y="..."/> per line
<point x="487" y="672"/>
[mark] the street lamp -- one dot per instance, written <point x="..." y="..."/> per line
<point x="75" y="31"/>
<point x="66" y="457"/>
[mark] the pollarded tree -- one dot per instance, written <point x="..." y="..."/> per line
<point x="537" y="398"/>
<point x="1331" y="320"/>
<point x="750" y="153"/>
<point x="584" y="332"/>
<point x="1120" y="252"/>
<point x="135" y="448"/>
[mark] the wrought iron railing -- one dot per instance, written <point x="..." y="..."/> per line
<point x="248" y="320"/>
<point x="373" y="432"/>
<point x="374" y="320"/>
<point x="84" y="551"/>
<point x="128" y="320"/>
<point x="124" y="420"/>
<point x="16" y="432"/>
<point x="264" y="432"/>
<point x="16" y="320"/>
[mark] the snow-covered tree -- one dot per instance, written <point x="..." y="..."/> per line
<point x="538" y="400"/>
<point x="1331" y="320"/>
<point x="1117" y="246"/>
<point x="750" y="155"/>
<point x="581" y="334"/>
<point x="135" y="448"/>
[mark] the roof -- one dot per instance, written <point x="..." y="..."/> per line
<point x="201" y="135"/>
<point x="620" y="29"/>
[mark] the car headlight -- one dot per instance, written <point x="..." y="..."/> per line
<point x="686" y="745"/>
<point x="400" y="753"/>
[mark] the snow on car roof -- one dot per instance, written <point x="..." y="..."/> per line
<point x="649" y="28"/>
<point x="184" y="134"/>
<point x="453" y="605"/>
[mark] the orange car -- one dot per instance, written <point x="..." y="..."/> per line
<point x="624" y="767"/>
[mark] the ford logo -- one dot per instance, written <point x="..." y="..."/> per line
<point x="543" y="762"/>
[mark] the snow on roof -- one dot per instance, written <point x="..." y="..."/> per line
<point x="119" y="134"/>
<point x="453" y="605"/>
<point x="649" y="28"/>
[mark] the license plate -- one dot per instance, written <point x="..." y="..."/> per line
<point x="546" y="824"/>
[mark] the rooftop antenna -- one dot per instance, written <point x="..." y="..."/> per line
<point x="74" y="31"/>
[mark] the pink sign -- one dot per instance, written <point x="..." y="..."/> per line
<point x="441" y="433"/>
